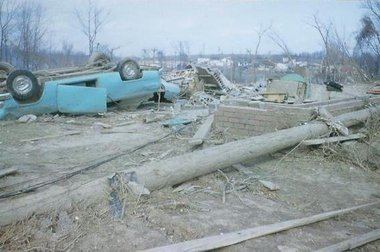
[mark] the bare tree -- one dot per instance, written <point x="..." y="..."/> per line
<point x="154" y="54"/>
<point x="91" y="22"/>
<point x="182" y="49"/>
<point x="276" y="38"/>
<point x="253" y="56"/>
<point x="260" y="33"/>
<point x="160" y="57"/>
<point x="337" y="54"/>
<point x="8" y="11"/>
<point x="67" y="51"/>
<point x="368" y="37"/>
<point x="325" y="33"/>
<point x="30" y="34"/>
<point x="106" y="49"/>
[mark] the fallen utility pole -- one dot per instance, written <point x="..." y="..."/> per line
<point x="168" y="172"/>
<point x="354" y="242"/>
<point x="219" y="241"/>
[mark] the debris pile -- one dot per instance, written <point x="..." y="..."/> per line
<point x="198" y="127"/>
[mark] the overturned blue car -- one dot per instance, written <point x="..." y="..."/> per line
<point x="81" y="90"/>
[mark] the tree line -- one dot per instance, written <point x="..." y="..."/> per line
<point x="24" y="40"/>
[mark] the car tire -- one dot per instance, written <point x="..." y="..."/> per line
<point x="23" y="86"/>
<point x="129" y="70"/>
<point x="98" y="58"/>
<point x="5" y="70"/>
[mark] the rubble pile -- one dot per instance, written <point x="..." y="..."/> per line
<point x="198" y="124"/>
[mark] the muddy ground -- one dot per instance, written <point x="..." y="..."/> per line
<point x="310" y="182"/>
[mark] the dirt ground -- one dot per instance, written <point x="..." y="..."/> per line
<point x="309" y="183"/>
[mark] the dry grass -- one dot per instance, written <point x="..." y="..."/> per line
<point x="54" y="231"/>
<point x="359" y="153"/>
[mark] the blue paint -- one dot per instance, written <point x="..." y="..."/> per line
<point x="171" y="90"/>
<point x="77" y="98"/>
<point x="176" y="121"/>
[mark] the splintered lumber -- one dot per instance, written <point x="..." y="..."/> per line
<point x="178" y="169"/>
<point x="6" y="172"/>
<point x="328" y="140"/>
<point x="202" y="132"/>
<point x="332" y="122"/>
<point x="354" y="242"/>
<point x="219" y="241"/>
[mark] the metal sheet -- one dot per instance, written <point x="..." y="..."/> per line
<point x="46" y="104"/>
<point x="79" y="100"/>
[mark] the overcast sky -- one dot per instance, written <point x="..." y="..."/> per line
<point x="205" y="24"/>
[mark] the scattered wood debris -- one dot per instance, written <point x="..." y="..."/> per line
<point x="354" y="242"/>
<point x="329" y="120"/>
<point x="219" y="241"/>
<point x="202" y="132"/>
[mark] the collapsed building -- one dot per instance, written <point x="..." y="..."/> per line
<point x="226" y="125"/>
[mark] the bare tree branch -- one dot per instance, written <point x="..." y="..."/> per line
<point x="91" y="22"/>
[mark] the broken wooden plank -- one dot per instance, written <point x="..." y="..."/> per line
<point x="354" y="242"/>
<point x="328" y="140"/>
<point x="219" y="241"/>
<point x="329" y="119"/>
<point x="6" y="172"/>
<point x="51" y="136"/>
<point x="202" y="132"/>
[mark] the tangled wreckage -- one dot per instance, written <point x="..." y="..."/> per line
<point x="200" y="125"/>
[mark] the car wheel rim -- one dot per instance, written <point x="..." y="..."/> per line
<point x="130" y="70"/>
<point x="22" y="84"/>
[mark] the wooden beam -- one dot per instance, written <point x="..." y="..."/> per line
<point x="332" y="122"/>
<point x="328" y="140"/>
<point x="219" y="241"/>
<point x="354" y="242"/>
<point x="202" y="132"/>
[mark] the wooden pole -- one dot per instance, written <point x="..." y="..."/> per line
<point x="182" y="168"/>
<point x="174" y="170"/>
<point x="354" y="242"/>
<point x="219" y="241"/>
